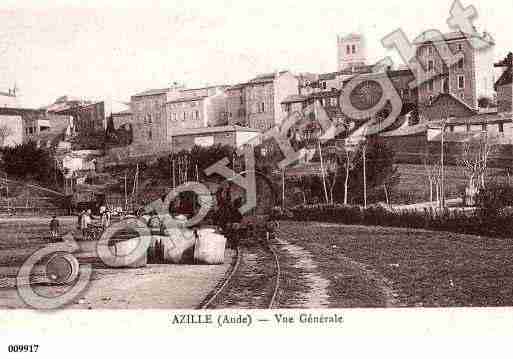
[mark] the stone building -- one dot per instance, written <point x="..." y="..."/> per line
<point x="235" y="136"/>
<point x="37" y="125"/>
<point x="195" y="108"/>
<point x="148" y="116"/>
<point x="257" y="103"/>
<point x="503" y="86"/>
<point x="469" y="79"/>
<point x="122" y="119"/>
<point x="351" y="51"/>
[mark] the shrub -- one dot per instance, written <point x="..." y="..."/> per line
<point x="458" y="221"/>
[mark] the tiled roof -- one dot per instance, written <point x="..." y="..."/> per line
<point x="187" y="99"/>
<point x="294" y="98"/>
<point x="19" y="111"/>
<point x="505" y="78"/>
<point x="152" y="92"/>
<point x="214" y="129"/>
<point x="122" y="113"/>
<point x="450" y="36"/>
<point x="406" y="131"/>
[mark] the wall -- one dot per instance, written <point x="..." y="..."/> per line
<point x="90" y="119"/>
<point x="485" y="72"/>
<point x="149" y="122"/>
<point x="505" y="98"/>
<point x="235" y="106"/>
<point x="186" y="142"/>
<point x="185" y="114"/>
<point x="285" y="85"/>
<point x="257" y="94"/>
<point x="468" y="94"/>
<point x="216" y="110"/>
<point x="14" y="126"/>
<point x="444" y="107"/>
<point x="119" y="120"/>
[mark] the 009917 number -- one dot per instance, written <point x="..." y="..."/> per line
<point x="33" y="348"/>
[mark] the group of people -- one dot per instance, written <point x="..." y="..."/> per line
<point x="106" y="213"/>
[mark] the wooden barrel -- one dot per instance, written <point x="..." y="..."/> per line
<point x="62" y="268"/>
<point x="124" y="248"/>
<point x="209" y="248"/>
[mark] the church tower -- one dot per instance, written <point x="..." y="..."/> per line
<point x="351" y="51"/>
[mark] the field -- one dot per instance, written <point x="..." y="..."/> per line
<point x="377" y="267"/>
<point x="414" y="184"/>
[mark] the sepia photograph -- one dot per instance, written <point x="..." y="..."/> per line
<point x="256" y="155"/>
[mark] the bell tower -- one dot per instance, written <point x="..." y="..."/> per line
<point x="351" y="51"/>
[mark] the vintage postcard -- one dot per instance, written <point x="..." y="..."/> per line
<point x="264" y="165"/>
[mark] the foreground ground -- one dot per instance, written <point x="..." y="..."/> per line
<point x="157" y="286"/>
<point x="380" y="267"/>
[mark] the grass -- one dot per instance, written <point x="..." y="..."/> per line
<point x="422" y="268"/>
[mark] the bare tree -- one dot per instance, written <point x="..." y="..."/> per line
<point x="474" y="161"/>
<point x="434" y="175"/>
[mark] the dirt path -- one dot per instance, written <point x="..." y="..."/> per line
<point x="314" y="292"/>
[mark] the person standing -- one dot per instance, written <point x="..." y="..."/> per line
<point x="85" y="222"/>
<point x="54" y="227"/>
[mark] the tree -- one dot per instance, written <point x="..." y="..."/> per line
<point x="485" y="102"/>
<point x="27" y="161"/>
<point x="434" y="175"/>
<point x="474" y="161"/>
<point x="379" y="167"/>
<point x="5" y="131"/>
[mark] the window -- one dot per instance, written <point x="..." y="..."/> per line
<point x="333" y="101"/>
<point x="431" y="65"/>
<point x="468" y="127"/>
<point x="197" y="114"/>
<point x="501" y="127"/>
<point x="348" y="49"/>
<point x="149" y="135"/>
<point x="323" y="84"/>
<point x="353" y="47"/>
<point x="430" y="50"/>
<point x="263" y="107"/>
<point x="460" y="47"/>
<point x="461" y="63"/>
<point x="241" y="101"/>
<point x="451" y="128"/>
<point x="184" y="116"/>
<point x="461" y="82"/>
<point x="483" y="127"/>
<point x="174" y="116"/>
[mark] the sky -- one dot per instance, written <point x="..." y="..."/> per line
<point x="109" y="52"/>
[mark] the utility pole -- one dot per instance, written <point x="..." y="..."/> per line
<point x="364" y="153"/>
<point x="283" y="187"/>
<point x="442" y="194"/>
<point x="323" y="174"/>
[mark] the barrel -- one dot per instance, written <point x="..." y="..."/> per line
<point x="124" y="248"/>
<point x="62" y="268"/>
<point x="178" y="246"/>
<point x="209" y="248"/>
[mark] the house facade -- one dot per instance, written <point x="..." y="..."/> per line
<point x="469" y="79"/>
<point x="196" y="108"/>
<point x="257" y="103"/>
